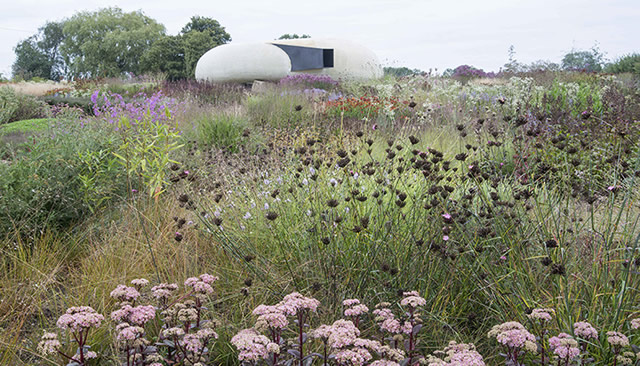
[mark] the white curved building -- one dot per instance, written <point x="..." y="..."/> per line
<point x="246" y="62"/>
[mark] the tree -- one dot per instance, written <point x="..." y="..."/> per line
<point x="208" y="25"/>
<point x="199" y="36"/>
<point x="293" y="36"/>
<point x="166" y="56"/>
<point x="39" y="55"/>
<point x="401" y="71"/>
<point x="107" y="42"/>
<point x="590" y="60"/>
<point x="629" y="63"/>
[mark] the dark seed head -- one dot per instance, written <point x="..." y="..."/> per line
<point x="271" y="215"/>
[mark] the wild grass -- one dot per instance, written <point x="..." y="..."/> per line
<point x="486" y="210"/>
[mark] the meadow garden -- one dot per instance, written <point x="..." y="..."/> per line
<point x="410" y="220"/>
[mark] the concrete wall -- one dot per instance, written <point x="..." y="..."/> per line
<point x="246" y="62"/>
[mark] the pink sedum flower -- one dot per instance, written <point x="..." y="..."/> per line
<point x="585" y="330"/>
<point x="564" y="346"/>
<point x="295" y="302"/>
<point x="252" y="346"/>
<point x="413" y="299"/>
<point x="125" y="293"/>
<point x="78" y="318"/>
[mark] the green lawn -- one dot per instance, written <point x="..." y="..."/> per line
<point x="25" y="126"/>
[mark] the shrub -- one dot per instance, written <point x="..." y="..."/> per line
<point x="16" y="106"/>
<point x="629" y="63"/>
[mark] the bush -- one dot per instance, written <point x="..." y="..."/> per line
<point x="628" y="63"/>
<point x="42" y="188"/>
<point x="15" y="106"/>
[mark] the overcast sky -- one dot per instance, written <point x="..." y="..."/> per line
<point x="424" y="34"/>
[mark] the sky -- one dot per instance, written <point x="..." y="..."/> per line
<point x="427" y="34"/>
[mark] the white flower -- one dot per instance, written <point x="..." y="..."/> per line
<point x="247" y="216"/>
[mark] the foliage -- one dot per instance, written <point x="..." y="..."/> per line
<point x="177" y="56"/>
<point x="41" y="188"/>
<point x="143" y="126"/>
<point x="166" y="55"/>
<point x="324" y="82"/>
<point x="39" y="55"/>
<point x="16" y="106"/>
<point x="629" y="63"/>
<point x="583" y="60"/>
<point x="293" y="36"/>
<point x="107" y="42"/>
<point x="401" y="71"/>
<point x="223" y="131"/>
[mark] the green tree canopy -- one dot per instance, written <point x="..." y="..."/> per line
<point x="590" y="60"/>
<point x="108" y="42"/>
<point x="39" y="55"/>
<point x="177" y="56"/>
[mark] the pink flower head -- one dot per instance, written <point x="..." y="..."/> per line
<point x="342" y="333"/>
<point x="295" y="302"/>
<point x="564" y="346"/>
<point x="78" y="318"/>
<point x="617" y="339"/>
<point x="125" y="293"/>
<point x="445" y="238"/>
<point x="513" y="335"/>
<point x="192" y="343"/>
<point x="413" y="300"/>
<point x="353" y="357"/>
<point x="585" y="330"/>
<point x="163" y="291"/>
<point x="635" y="323"/>
<point x="446" y="216"/>
<point x="543" y="315"/>
<point x="252" y="346"/>
<point x="270" y="316"/>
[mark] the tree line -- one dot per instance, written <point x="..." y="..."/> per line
<point x="110" y="43"/>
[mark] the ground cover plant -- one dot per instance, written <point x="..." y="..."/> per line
<point x="402" y="221"/>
